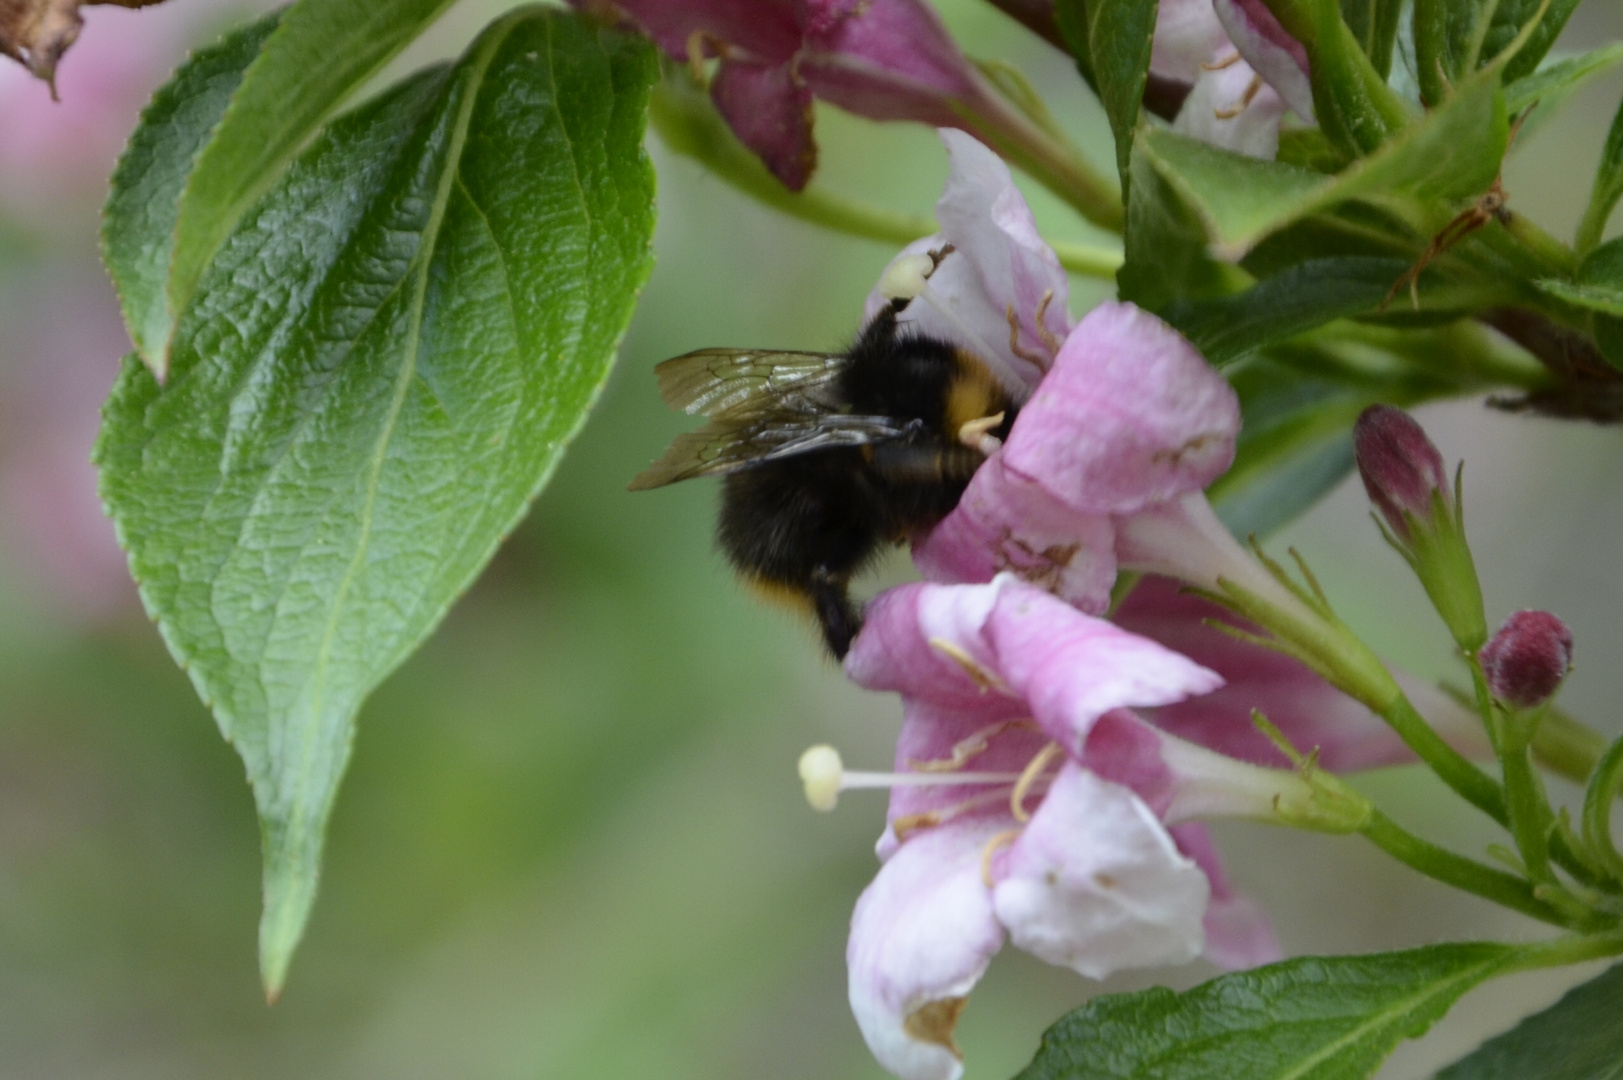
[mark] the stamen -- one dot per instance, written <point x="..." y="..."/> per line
<point x="1043" y="331"/>
<point x="824" y="776"/>
<point x="969" y="747"/>
<point x="998" y="842"/>
<point x="696" y="57"/>
<point x="1014" y="339"/>
<point x="908" y="824"/>
<point x="1228" y="61"/>
<point x="983" y="678"/>
<point x="820" y="774"/>
<point x="1245" y="100"/>
<point x="1022" y="786"/>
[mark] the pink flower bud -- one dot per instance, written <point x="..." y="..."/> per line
<point x="1527" y="659"/>
<point x="1401" y="468"/>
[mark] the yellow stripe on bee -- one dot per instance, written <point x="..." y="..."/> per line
<point x="972" y="395"/>
<point x="781" y="595"/>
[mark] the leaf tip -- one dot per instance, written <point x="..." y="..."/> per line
<point x="290" y="892"/>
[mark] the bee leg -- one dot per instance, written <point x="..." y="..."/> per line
<point x="839" y="617"/>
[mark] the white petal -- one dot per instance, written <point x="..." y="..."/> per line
<point x="998" y="263"/>
<point x="1097" y="885"/>
<point x="1187" y="33"/>
<point x="921" y="935"/>
<point x="1232" y="108"/>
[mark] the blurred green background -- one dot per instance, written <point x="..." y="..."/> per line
<point x="572" y="843"/>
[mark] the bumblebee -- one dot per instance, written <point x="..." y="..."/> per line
<point x="826" y="457"/>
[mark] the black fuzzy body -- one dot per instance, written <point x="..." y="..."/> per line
<point x="805" y="524"/>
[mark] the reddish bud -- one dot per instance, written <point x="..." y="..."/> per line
<point x="1401" y="468"/>
<point x="1527" y="659"/>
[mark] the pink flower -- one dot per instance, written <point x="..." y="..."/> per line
<point x="1030" y="803"/>
<point x="883" y="59"/>
<point x="993" y="286"/>
<point x="1243" y="71"/>
<point x="1232" y="107"/>
<point x="1280" y="59"/>
<point x="1130" y="422"/>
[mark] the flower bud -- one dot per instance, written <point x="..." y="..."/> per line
<point x="1527" y="659"/>
<point x="1404" y="476"/>
<point x="1401" y="469"/>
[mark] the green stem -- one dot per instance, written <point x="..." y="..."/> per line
<point x="1568" y="949"/>
<point x="1525" y="800"/>
<point x="1088" y="261"/>
<point x="1457" y="771"/>
<point x="1058" y="166"/>
<point x="688" y="125"/>
<point x="1313" y="634"/>
<point x="1567" y="747"/>
<point x="1456" y="870"/>
<point x="1597" y="815"/>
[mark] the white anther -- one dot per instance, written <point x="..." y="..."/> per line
<point x="905" y="278"/>
<point x="821" y="771"/>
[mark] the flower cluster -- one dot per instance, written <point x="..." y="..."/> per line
<point x="1032" y="800"/>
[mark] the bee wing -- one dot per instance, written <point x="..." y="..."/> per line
<point x="728" y="444"/>
<point x="747" y="383"/>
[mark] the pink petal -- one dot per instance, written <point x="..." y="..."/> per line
<point x="1238" y="933"/>
<point x="1005" y="522"/>
<point x="1310" y="711"/>
<point x="1130" y="415"/>
<point x="921" y="936"/>
<point x="895" y="649"/>
<point x="1187" y="34"/>
<point x="1267" y="47"/>
<point x="1072" y="668"/>
<point x="1094" y="883"/>
<point x="885" y="59"/>
<point x="771" y="113"/>
<point x="999" y="262"/>
<point x="1227" y="109"/>
<point x="767" y="30"/>
<point x="932" y="733"/>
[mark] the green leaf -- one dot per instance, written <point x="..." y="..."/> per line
<point x="1558" y="79"/>
<point x="1456" y="38"/>
<point x="1166" y="253"/>
<point x="1119" y="34"/>
<point x="1374" y="25"/>
<point x="320" y="53"/>
<point x="138" y="224"/>
<point x="1452" y="154"/>
<point x="1597" y="288"/>
<point x="380" y="370"/>
<point x="1301" y="298"/>
<point x="1607" y="189"/>
<point x="1577" y="1038"/>
<point x="1599" y="282"/>
<point x="1314" y="1018"/>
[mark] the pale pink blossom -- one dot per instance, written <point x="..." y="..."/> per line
<point x="1030" y="804"/>
<point x="1270" y="50"/>
<point x="1231" y="106"/>
<point x="1129" y="421"/>
<point x="993" y="285"/>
